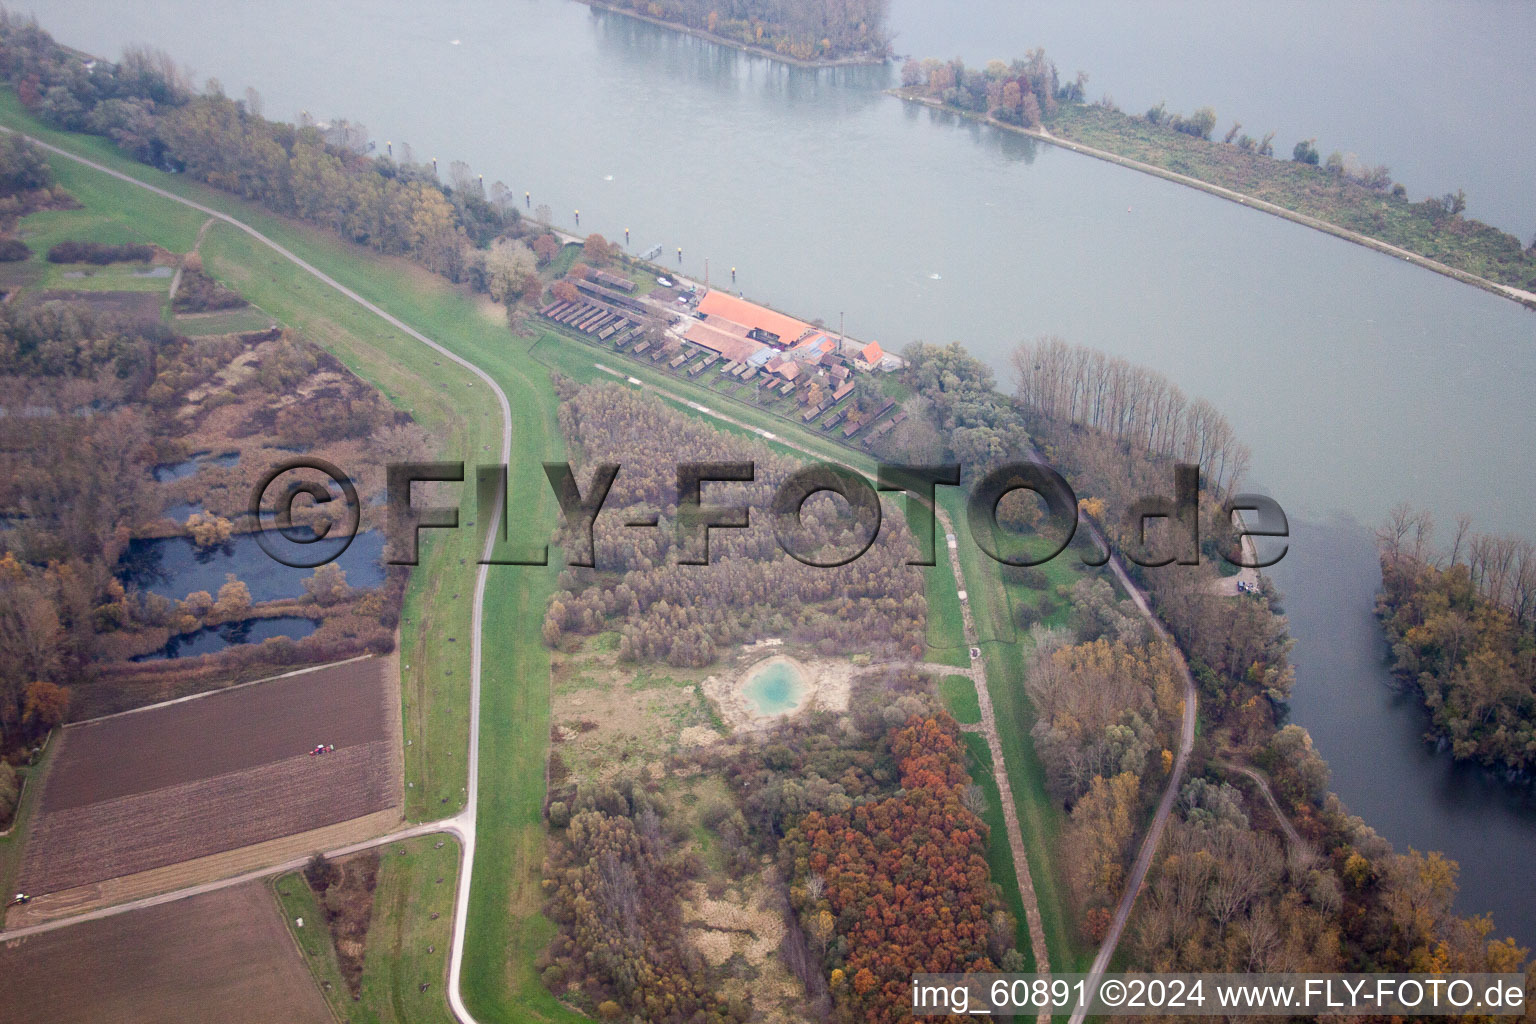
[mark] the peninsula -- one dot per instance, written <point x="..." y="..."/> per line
<point x="821" y="33"/>
<point x="1339" y="195"/>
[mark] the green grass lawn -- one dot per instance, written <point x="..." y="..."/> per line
<point x="959" y="695"/>
<point x="110" y="213"/>
<point x="115" y="277"/>
<point x="416" y="881"/>
<point x="1041" y="819"/>
<point x="1045" y="601"/>
<point x="97" y="221"/>
<point x="396" y="960"/>
<point x="999" y="857"/>
<point x="297" y="902"/>
<point x="248" y="318"/>
<point x="946" y="625"/>
<point x="505" y="928"/>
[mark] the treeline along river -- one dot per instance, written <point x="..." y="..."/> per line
<point x="1357" y="380"/>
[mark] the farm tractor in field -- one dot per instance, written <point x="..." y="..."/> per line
<point x="322" y="748"/>
<point x="19" y="899"/>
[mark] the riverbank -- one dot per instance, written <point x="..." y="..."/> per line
<point x="1105" y="134"/>
<point x="857" y="60"/>
<point x="1460" y="633"/>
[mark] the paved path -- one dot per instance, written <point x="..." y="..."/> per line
<point x="450" y="826"/>
<point x="463" y="825"/>
<point x="1175" y="778"/>
<point x="977" y="673"/>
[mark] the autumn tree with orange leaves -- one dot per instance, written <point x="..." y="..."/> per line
<point x="904" y="878"/>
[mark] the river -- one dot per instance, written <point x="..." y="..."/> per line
<point x="1352" y="75"/>
<point x="1359" y="381"/>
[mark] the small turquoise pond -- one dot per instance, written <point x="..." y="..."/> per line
<point x="773" y="688"/>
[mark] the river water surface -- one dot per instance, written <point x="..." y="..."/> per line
<point x="1357" y="380"/>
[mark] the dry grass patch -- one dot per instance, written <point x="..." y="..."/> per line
<point x="609" y="718"/>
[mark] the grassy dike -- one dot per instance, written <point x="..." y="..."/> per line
<point x="1041" y="819"/>
<point x="505" y="928"/>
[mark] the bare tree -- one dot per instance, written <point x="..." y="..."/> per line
<point x="460" y="177"/>
<point x="1463" y="525"/>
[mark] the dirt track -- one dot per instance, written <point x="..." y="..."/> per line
<point x="194" y="819"/>
<point x="463" y="825"/>
<point x="225" y="956"/>
<point x="170" y="784"/>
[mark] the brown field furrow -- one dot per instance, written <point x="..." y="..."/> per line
<point x="225" y="732"/>
<point x="130" y="834"/>
<point x="224" y="956"/>
<point x="188" y="873"/>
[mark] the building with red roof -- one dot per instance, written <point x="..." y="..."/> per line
<point x="871" y="355"/>
<point x="786" y="329"/>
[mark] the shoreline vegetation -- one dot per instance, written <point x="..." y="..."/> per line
<point x="850" y="33"/>
<point x="1338" y="195"/>
<point x="1357" y="903"/>
<point x="1462" y="627"/>
<point x="1314" y="887"/>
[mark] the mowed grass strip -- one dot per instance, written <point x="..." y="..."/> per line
<point x="408" y="935"/>
<point x="959" y="695"/>
<point x="406" y="965"/>
<point x="197" y="325"/>
<point x="999" y="856"/>
<point x="506" y="930"/>
<point x="1041" y="820"/>
<point x="946" y="624"/>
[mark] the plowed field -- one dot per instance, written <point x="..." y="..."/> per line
<point x="204" y="776"/>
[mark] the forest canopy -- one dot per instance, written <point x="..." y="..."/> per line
<point x="1462" y="625"/>
<point x="322" y="172"/>
<point x="682" y="614"/>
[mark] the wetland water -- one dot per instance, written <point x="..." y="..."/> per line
<point x="774" y="688"/>
<point x="174" y="567"/>
<point x="1358" y="381"/>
